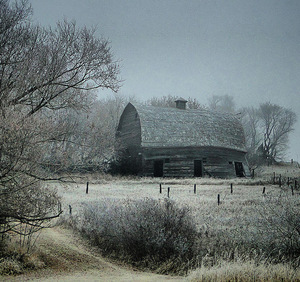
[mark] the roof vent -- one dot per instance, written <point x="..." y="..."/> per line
<point x="181" y="103"/>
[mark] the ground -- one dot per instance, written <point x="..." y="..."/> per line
<point x="70" y="258"/>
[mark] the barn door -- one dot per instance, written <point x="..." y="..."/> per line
<point x="159" y="168"/>
<point x="198" y="168"/>
<point x="239" y="169"/>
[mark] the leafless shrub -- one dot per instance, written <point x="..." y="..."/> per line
<point x="275" y="231"/>
<point x="143" y="231"/>
<point x="281" y="226"/>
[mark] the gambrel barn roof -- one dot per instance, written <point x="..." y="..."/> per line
<point x="173" y="127"/>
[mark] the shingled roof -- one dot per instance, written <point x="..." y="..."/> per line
<point x="172" y="127"/>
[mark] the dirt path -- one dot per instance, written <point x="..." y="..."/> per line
<point x="69" y="258"/>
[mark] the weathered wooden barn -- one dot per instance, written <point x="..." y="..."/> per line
<point x="180" y="142"/>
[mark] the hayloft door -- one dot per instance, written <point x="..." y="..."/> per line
<point x="239" y="169"/>
<point x="159" y="168"/>
<point x="198" y="168"/>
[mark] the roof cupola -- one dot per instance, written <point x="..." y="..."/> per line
<point x="181" y="103"/>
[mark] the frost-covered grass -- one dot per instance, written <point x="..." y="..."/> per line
<point x="263" y="228"/>
<point x="245" y="271"/>
<point x="286" y="170"/>
<point x="204" y="203"/>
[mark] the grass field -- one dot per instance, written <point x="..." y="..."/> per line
<point x="253" y="224"/>
<point x="246" y="196"/>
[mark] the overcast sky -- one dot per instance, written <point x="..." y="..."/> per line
<point x="249" y="49"/>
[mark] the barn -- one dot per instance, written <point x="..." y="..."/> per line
<point x="181" y="142"/>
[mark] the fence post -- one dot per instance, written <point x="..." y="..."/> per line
<point x="264" y="190"/>
<point x="70" y="210"/>
<point x="168" y="192"/>
<point x="296" y="184"/>
<point x="279" y="180"/>
<point x="231" y="188"/>
<point x="274" y="178"/>
<point x="160" y="189"/>
<point x="87" y="188"/>
<point x="292" y="190"/>
<point x="195" y="188"/>
<point x="288" y="181"/>
<point x="218" y="199"/>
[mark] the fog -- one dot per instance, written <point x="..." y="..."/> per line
<point x="246" y="49"/>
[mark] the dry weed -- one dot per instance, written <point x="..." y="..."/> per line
<point x="245" y="271"/>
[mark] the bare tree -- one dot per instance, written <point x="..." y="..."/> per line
<point x="193" y="103"/>
<point x="90" y="143"/>
<point x="164" y="101"/>
<point x="51" y="68"/>
<point x="169" y="101"/>
<point x="23" y="197"/>
<point x="251" y="123"/>
<point x="41" y="70"/>
<point x="222" y="103"/>
<point x="276" y="122"/>
<point x="266" y="130"/>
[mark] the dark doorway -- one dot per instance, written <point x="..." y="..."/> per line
<point x="239" y="169"/>
<point x="198" y="168"/>
<point x="159" y="168"/>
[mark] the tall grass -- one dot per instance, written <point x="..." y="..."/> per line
<point x="243" y="271"/>
<point x="16" y="260"/>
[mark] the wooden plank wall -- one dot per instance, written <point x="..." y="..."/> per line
<point x="218" y="162"/>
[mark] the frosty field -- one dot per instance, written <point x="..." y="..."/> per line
<point x="246" y="201"/>
<point x="252" y="232"/>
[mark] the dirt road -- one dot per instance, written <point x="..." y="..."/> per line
<point x="69" y="258"/>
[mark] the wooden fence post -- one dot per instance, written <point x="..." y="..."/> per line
<point x="231" y="188"/>
<point x="70" y="210"/>
<point x="292" y="190"/>
<point x="87" y="188"/>
<point x="195" y="188"/>
<point x="168" y="192"/>
<point x="264" y="190"/>
<point x="288" y="181"/>
<point x="274" y="178"/>
<point x="218" y="199"/>
<point x="279" y="180"/>
<point x="160" y="189"/>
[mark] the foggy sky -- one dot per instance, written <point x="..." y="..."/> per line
<point x="243" y="48"/>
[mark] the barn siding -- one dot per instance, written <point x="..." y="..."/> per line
<point x="181" y="164"/>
